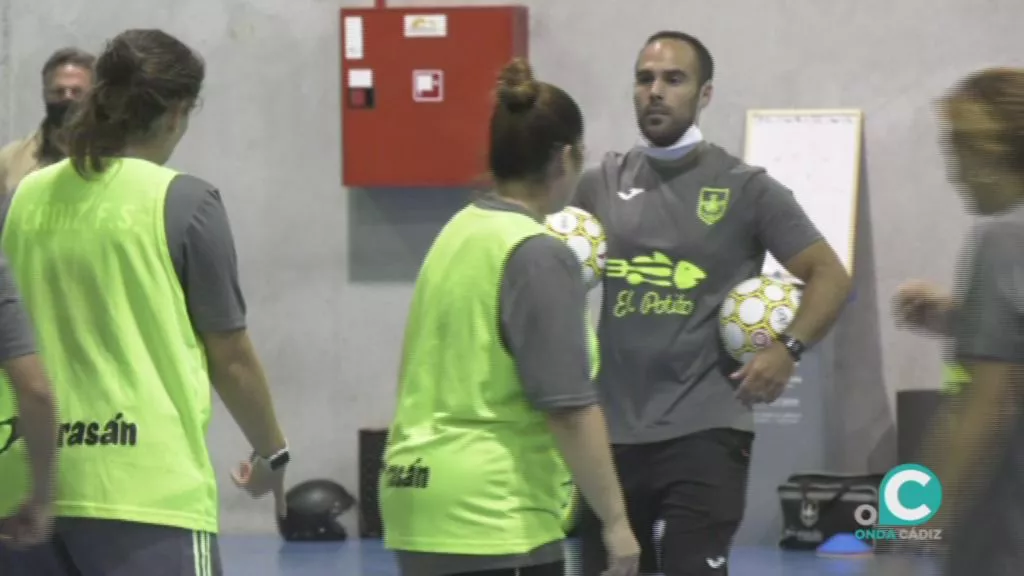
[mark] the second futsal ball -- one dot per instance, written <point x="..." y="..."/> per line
<point x="755" y="313"/>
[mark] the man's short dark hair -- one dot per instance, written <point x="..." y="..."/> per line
<point x="707" y="64"/>
<point x="70" y="55"/>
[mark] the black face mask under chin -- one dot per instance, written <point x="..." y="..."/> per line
<point x="57" y="112"/>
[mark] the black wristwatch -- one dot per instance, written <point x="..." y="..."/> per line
<point x="275" y="461"/>
<point x="793" y="346"/>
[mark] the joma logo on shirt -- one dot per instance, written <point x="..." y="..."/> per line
<point x="415" y="475"/>
<point x="659" y="271"/>
<point x="113" y="432"/>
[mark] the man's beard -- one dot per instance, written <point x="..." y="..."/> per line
<point x="56" y="114"/>
<point x="666" y="139"/>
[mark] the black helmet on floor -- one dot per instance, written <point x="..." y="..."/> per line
<point x="313" y="511"/>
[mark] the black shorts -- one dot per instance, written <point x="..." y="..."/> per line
<point x="696" y="484"/>
<point x="86" y="547"/>
<point x="552" y="569"/>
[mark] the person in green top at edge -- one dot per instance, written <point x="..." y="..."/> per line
<point x="495" y="397"/>
<point x="31" y="522"/>
<point x="129" y="274"/>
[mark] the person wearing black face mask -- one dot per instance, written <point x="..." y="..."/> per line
<point x="56" y="111"/>
<point x="67" y="75"/>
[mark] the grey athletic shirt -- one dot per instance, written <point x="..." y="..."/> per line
<point x="202" y="249"/>
<point x="16" y="338"/>
<point x="989" y="326"/>
<point x="990" y="320"/>
<point x="542" y="305"/>
<point x="681" y="235"/>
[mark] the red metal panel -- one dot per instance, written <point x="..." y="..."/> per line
<point x="394" y="136"/>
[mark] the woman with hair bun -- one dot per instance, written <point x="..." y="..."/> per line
<point x="495" y="398"/>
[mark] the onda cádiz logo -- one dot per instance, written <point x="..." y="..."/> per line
<point x="908" y="497"/>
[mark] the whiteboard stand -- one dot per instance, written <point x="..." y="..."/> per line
<point x="817" y="155"/>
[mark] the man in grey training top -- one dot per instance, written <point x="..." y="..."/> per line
<point x="686" y="221"/>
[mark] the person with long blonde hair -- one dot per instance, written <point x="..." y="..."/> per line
<point x="980" y="457"/>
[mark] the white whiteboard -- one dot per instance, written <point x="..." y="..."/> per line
<point x="816" y="154"/>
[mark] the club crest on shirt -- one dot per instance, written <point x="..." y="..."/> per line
<point x="712" y="204"/>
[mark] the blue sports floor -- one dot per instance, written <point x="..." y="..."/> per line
<point x="269" y="556"/>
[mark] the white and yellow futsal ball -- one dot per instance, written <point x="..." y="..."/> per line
<point x="755" y="313"/>
<point x="581" y="231"/>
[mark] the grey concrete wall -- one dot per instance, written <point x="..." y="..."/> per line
<point x="328" y="271"/>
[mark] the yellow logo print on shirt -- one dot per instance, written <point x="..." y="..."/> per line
<point x="712" y="204"/>
<point x="655" y="271"/>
